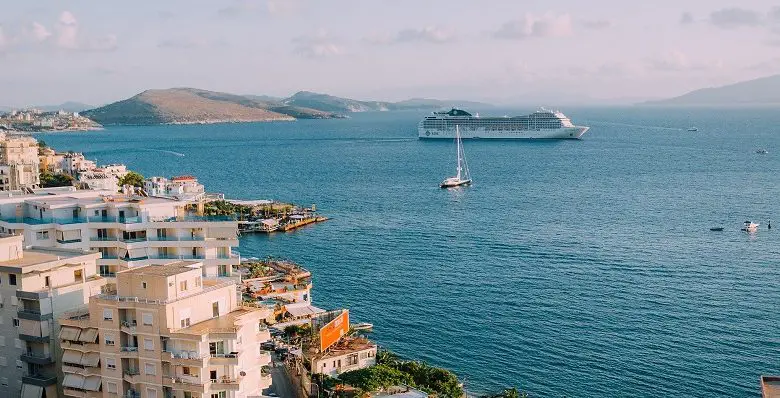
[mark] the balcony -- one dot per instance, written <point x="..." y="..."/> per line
<point x="176" y="238"/>
<point x="133" y="240"/>
<point x="128" y="326"/>
<point x="40" y="380"/>
<point x="131" y="394"/>
<point x="184" y="358"/>
<point x="128" y="351"/>
<point x="227" y="383"/>
<point x="32" y="295"/>
<point x="115" y="219"/>
<point x="43" y="220"/>
<point x="34" y="339"/>
<point x="183" y="383"/>
<point x="33" y="314"/>
<point x="36" y="358"/>
<point x="108" y="274"/>
<point x="127" y="259"/>
<point x="131" y="375"/>
<point x="65" y="241"/>
<point x="224" y="359"/>
<point x="103" y="239"/>
<point x="72" y="392"/>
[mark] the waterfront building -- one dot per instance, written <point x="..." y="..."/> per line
<point x="99" y="180"/>
<point x="350" y="353"/>
<point x="18" y="163"/>
<point x="167" y="331"/>
<point x="128" y="230"/>
<point x="36" y="286"/>
<point x="182" y="187"/>
<point x="74" y="163"/>
<point x="50" y="161"/>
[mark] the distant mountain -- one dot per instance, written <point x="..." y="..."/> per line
<point x="763" y="91"/>
<point x="69" y="106"/>
<point x="329" y="103"/>
<point x="191" y="105"/>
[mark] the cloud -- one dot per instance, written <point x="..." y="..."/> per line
<point x="39" y="32"/>
<point x="4" y="40"/>
<point x="596" y="24"/>
<point x="531" y="26"/>
<point x="282" y="7"/>
<point x="677" y="61"/>
<point x="733" y="18"/>
<point x="319" y="45"/>
<point x="69" y="37"/>
<point x="430" y="34"/>
<point x="238" y="8"/>
<point x="686" y="18"/>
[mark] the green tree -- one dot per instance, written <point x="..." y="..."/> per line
<point x="375" y="378"/>
<point x="132" y="178"/>
<point x="50" y="180"/>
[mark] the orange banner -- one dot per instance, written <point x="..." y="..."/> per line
<point x="334" y="330"/>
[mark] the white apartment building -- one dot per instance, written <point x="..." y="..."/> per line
<point x="167" y="332"/>
<point x="129" y="231"/>
<point x="74" y="163"/>
<point x="37" y="285"/>
<point x="182" y="187"/>
<point x="96" y="179"/>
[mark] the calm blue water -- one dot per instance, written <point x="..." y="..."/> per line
<point x="578" y="268"/>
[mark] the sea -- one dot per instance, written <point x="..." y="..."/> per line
<point x="568" y="269"/>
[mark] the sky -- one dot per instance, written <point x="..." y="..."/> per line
<point x="500" y="51"/>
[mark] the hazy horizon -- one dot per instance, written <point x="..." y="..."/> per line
<point x="563" y="52"/>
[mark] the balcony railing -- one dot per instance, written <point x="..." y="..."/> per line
<point x="133" y="240"/>
<point x="126" y="259"/>
<point x="65" y="241"/>
<point x="177" y="238"/>
<point x="129" y="349"/>
<point x="108" y="274"/>
<point x="104" y="239"/>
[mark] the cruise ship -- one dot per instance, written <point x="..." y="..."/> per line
<point x="542" y="124"/>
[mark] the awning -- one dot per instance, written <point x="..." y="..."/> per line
<point x="92" y="383"/>
<point x="72" y="357"/>
<point x="71" y="234"/>
<point x="302" y="309"/>
<point x="91" y="359"/>
<point x="69" y="333"/>
<point x="88" y="335"/>
<point x="31" y="391"/>
<point x="73" y="381"/>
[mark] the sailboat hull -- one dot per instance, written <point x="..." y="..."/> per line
<point x="453" y="184"/>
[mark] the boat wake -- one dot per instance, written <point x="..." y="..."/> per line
<point x="639" y="126"/>
<point x="162" y="151"/>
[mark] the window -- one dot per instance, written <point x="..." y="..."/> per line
<point x="221" y="394"/>
<point x="42" y="235"/>
<point x="149" y="369"/>
<point x="146" y="318"/>
<point x="12" y="279"/>
<point x="185" y="370"/>
<point x="183" y="286"/>
<point x="109" y="339"/>
<point x="111" y="387"/>
<point x="143" y="285"/>
<point x="148" y="345"/>
<point x="16" y="322"/>
<point x="78" y="275"/>
<point x="215" y="309"/>
<point x="197" y="282"/>
<point x="187" y="394"/>
<point x="185" y="322"/>
<point x="46" y="281"/>
<point x="217" y="347"/>
<point x="108" y="315"/>
<point x="110" y="362"/>
<point x="151" y="393"/>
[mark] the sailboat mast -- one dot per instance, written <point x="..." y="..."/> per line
<point x="457" y="140"/>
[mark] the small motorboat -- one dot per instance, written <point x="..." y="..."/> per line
<point x="761" y="151"/>
<point x="693" y="129"/>
<point x="750" y="226"/>
<point x="365" y="326"/>
<point x="718" y="229"/>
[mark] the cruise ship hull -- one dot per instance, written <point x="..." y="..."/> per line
<point x="563" y="133"/>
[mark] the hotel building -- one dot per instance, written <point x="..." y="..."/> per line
<point x="128" y="230"/>
<point x="167" y="332"/>
<point x="37" y="285"/>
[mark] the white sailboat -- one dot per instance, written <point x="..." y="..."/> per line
<point x="463" y="177"/>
